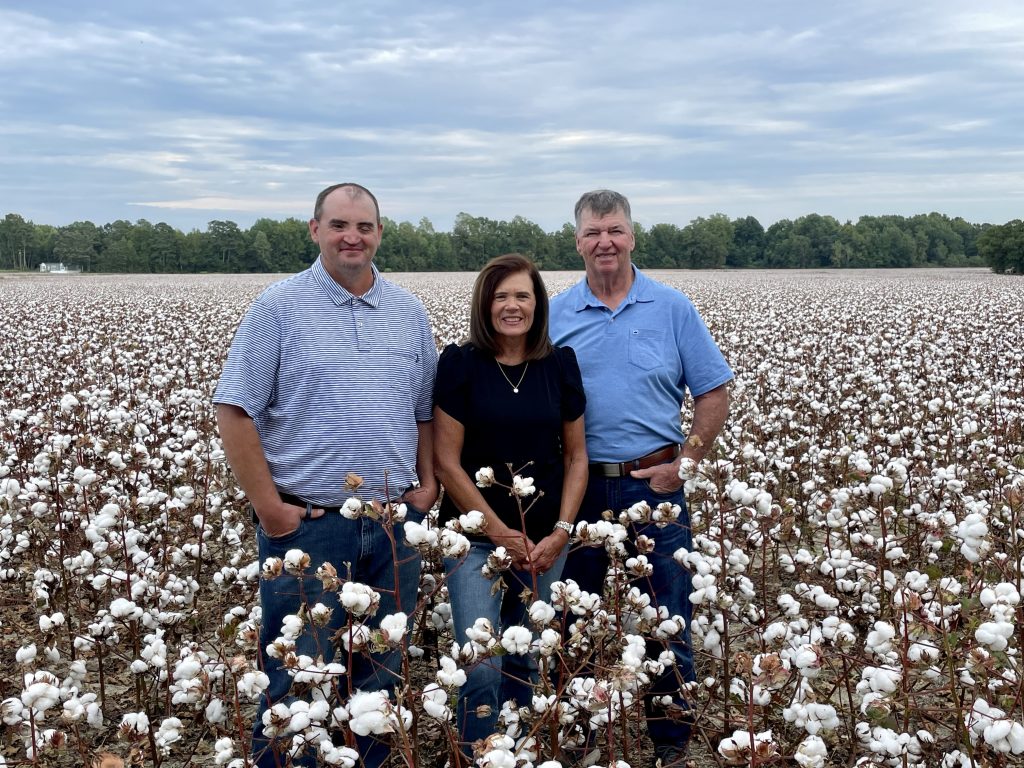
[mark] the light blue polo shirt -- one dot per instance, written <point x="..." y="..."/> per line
<point x="334" y="383"/>
<point x="637" y="363"/>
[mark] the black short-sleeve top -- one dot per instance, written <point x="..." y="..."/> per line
<point x="505" y="428"/>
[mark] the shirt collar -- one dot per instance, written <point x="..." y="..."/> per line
<point x="341" y="296"/>
<point x="640" y="291"/>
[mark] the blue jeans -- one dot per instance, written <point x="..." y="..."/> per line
<point x="494" y="680"/>
<point x="363" y="544"/>
<point x="669" y="585"/>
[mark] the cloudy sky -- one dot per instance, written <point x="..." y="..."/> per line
<point x="186" y="112"/>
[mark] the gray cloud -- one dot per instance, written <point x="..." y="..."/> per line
<point x="189" y="112"/>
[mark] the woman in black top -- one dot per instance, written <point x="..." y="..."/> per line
<point x="510" y="401"/>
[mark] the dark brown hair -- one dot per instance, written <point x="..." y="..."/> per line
<point x="481" y="330"/>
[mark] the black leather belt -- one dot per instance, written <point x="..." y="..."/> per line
<point x="287" y="498"/>
<point x="623" y="468"/>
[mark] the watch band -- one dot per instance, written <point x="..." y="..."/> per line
<point x="565" y="526"/>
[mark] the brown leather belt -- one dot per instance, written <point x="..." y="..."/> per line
<point x="623" y="468"/>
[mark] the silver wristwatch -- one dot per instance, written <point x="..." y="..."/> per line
<point x="565" y="526"/>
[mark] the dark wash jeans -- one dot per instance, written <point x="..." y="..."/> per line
<point x="364" y="544"/>
<point x="669" y="585"/>
<point x="492" y="681"/>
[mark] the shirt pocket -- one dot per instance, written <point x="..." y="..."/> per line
<point x="406" y="372"/>
<point x="646" y="348"/>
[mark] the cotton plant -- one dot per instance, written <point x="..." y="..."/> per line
<point x="746" y="748"/>
<point x="858" y="519"/>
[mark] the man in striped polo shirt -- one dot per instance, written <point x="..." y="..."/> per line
<point x="331" y="373"/>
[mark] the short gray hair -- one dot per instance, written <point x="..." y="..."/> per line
<point x="602" y="202"/>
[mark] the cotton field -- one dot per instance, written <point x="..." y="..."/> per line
<point x="857" y="561"/>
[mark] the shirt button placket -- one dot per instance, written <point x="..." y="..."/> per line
<point x="357" y="316"/>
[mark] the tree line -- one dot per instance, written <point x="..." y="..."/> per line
<point x="811" y="241"/>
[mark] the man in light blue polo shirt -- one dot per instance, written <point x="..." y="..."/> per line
<point x="331" y="372"/>
<point x="640" y="345"/>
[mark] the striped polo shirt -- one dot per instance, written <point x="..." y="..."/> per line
<point x="335" y="383"/>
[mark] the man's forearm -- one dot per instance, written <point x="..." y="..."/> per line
<point x="710" y="411"/>
<point x="425" y="452"/>
<point x="244" y="452"/>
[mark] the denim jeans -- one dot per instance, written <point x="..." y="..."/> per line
<point x="365" y="546"/>
<point x="669" y="585"/>
<point x="492" y="681"/>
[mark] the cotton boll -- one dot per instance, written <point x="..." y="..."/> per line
<point x="522" y="486"/>
<point x="450" y="674"/>
<point x="359" y="599"/>
<point x="472" y="522"/>
<point x="811" y="753"/>
<point x="541" y="613"/>
<point x="393" y="628"/>
<point x="516" y="640"/>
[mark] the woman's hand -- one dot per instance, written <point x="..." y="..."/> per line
<point x="517" y="544"/>
<point x="548" y="550"/>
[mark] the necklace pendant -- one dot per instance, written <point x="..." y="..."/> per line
<point x="515" y="387"/>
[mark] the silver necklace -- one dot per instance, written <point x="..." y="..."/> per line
<point x="515" y="387"/>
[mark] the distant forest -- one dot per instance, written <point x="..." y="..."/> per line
<point x="811" y="241"/>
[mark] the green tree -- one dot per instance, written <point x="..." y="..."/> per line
<point x="785" y="247"/>
<point x="662" y="247"/>
<point x="291" y="247"/>
<point x="849" y="249"/>
<point x="259" y="256"/>
<point x="403" y="248"/>
<point x="117" y="251"/>
<point x="821" y="233"/>
<point x="747" y="248"/>
<point x="1002" y="247"/>
<point x="15" y="236"/>
<point x="706" y="242"/>
<point x="895" y="245"/>
<point x="475" y="240"/>
<point x="442" y="249"/>
<point x="78" y="244"/>
<point x="523" y="236"/>
<point x="223" y="247"/>
<point x="122" y="256"/>
<point x="563" y="249"/>
<point x="191" y="255"/>
<point x="969" y="234"/>
<point x="41" y="244"/>
<point x="164" y="245"/>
